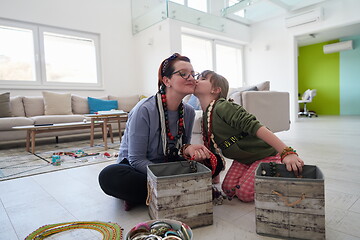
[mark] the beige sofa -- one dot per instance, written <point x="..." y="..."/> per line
<point x="271" y="108"/>
<point x="29" y="110"/>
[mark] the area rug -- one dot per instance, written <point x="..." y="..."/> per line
<point x="16" y="162"/>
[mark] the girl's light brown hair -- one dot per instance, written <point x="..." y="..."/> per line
<point x="217" y="81"/>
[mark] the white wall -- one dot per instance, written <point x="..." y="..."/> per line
<point x="152" y="47"/>
<point x="109" y="18"/>
<point x="159" y="41"/>
<point x="272" y="53"/>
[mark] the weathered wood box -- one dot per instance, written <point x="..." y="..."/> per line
<point x="176" y="192"/>
<point x="287" y="206"/>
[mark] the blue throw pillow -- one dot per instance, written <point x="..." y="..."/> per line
<point x="194" y="102"/>
<point x="96" y="105"/>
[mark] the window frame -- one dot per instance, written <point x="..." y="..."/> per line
<point x="39" y="58"/>
<point x="233" y="45"/>
<point x="214" y="42"/>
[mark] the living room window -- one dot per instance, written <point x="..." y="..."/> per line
<point x="222" y="57"/>
<point x="37" y="56"/>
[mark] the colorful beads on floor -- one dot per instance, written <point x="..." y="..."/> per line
<point x="109" y="230"/>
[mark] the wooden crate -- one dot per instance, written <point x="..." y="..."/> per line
<point x="287" y="206"/>
<point x="175" y="192"/>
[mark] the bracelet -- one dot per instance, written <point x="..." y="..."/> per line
<point x="287" y="151"/>
<point x="182" y="150"/>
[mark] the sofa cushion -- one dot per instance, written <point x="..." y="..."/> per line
<point x="57" y="103"/>
<point x="5" y="105"/>
<point x="125" y="103"/>
<point x="194" y="102"/>
<point x="197" y="122"/>
<point x="237" y="96"/>
<point x="96" y="105"/>
<point x="17" y="106"/>
<point x="264" y="86"/>
<point x="34" y="105"/>
<point x="79" y="104"/>
<point x="8" y="123"/>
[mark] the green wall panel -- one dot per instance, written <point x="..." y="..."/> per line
<point x="321" y="72"/>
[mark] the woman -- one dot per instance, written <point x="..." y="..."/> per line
<point x="157" y="129"/>
<point x="229" y="127"/>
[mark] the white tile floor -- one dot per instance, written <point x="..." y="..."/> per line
<point x="331" y="143"/>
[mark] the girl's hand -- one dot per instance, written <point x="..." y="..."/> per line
<point x="198" y="152"/>
<point x="293" y="163"/>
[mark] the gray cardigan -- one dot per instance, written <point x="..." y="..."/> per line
<point x="141" y="143"/>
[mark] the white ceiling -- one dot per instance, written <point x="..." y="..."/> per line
<point x="254" y="11"/>
<point x="261" y="10"/>
<point x="330" y="34"/>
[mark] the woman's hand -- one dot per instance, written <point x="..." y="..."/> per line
<point x="293" y="163"/>
<point x="198" y="152"/>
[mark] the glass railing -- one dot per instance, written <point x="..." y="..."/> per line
<point x="196" y="17"/>
<point x="146" y="13"/>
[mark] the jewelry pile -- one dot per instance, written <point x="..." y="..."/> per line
<point x="109" y="230"/>
<point x="159" y="230"/>
<point x="274" y="172"/>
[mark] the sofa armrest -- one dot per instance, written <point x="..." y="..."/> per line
<point x="270" y="108"/>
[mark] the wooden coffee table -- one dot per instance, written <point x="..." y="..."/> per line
<point x="32" y="130"/>
<point x="106" y="118"/>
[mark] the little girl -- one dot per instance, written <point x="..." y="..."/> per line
<point x="240" y="136"/>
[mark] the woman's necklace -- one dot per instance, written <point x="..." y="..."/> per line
<point x="180" y="121"/>
<point x="208" y="136"/>
<point x="165" y="125"/>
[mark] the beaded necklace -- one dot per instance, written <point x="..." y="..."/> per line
<point x="165" y="128"/>
<point x="208" y="136"/>
<point x="180" y="121"/>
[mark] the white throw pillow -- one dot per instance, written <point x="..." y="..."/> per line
<point x="237" y="96"/>
<point x="57" y="103"/>
<point x="33" y="105"/>
<point x="264" y="86"/>
<point x="79" y="104"/>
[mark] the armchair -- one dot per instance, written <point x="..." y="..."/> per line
<point x="271" y="108"/>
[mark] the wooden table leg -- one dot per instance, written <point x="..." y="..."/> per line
<point x="119" y="128"/>
<point x="33" y="141"/>
<point x="105" y="123"/>
<point x="28" y="140"/>
<point x="111" y="133"/>
<point x="102" y="132"/>
<point x="92" y="132"/>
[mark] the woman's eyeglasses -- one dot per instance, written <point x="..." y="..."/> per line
<point x="186" y="76"/>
